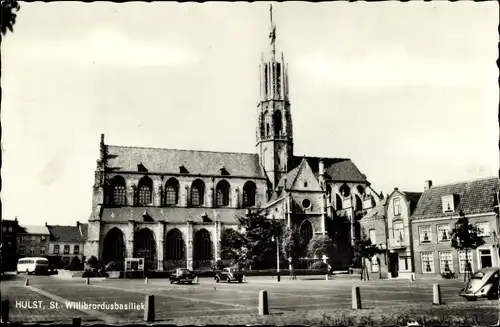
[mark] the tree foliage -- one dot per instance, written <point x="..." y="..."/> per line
<point x="364" y="249"/>
<point x="258" y="247"/>
<point x="9" y="9"/>
<point x="321" y="245"/>
<point x="465" y="237"/>
<point x="291" y="245"/>
<point x="231" y="243"/>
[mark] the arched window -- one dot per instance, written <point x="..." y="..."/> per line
<point x="197" y="193"/>
<point x="174" y="245"/>
<point x="172" y="192"/>
<point x="118" y="194"/>
<point x="114" y="246"/>
<point x="345" y="190"/>
<point x="222" y="193"/>
<point x="249" y="192"/>
<point x="361" y="190"/>
<point x="278" y="123"/>
<point x="338" y="202"/>
<point x="359" y="203"/>
<point x="306" y="234"/>
<point x="145" y="247"/>
<point x="145" y="189"/>
<point x="203" y="245"/>
<point x="267" y="129"/>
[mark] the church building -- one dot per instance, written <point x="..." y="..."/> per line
<point x="172" y="206"/>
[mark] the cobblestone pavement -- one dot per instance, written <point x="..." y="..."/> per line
<point x="210" y="299"/>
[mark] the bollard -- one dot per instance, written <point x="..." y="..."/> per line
<point x="244" y="278"/>
<point x="278" y="278"/>
<point x="145" y="280"/>
<point x="326" y="277"/>
<point x="77" y="322"/>
<point x="356" y="298"/>
<point x="263" y="308"/>
<point x="149" y="308"/>
<point x="196" y="280"/>
<point x="27" y="282"/>
<point x="436" y="294"/>
<point x="412" y="277"/>
<point x="87" y="281"/>
<point x="5" y="311"/>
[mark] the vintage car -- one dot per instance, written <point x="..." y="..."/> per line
<point x="229" y="275"/>
<point x="483" y="284"/>
<point x="182" y="275"/>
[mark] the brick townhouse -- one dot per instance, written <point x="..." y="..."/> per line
<point x="437" y="212"/>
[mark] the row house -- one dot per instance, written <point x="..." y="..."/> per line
<point x="67" y="242"/>
<point x="33" y="241"/>
<point x="439" y="209"/>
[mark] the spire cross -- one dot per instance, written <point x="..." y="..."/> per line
<point x="272" y="34"/>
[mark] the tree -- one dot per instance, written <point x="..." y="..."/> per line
<point x="75" y="264"/>
<point x="321" y="245"/>
<point x="291" y="247"/>
<point x="465" y="237"/>
<point x="93" y="263"/>
<point x="9" y="9"/>
<point x="258" y="247"/>
<point x="231" y="243"/>
<point x="364" y="249"/>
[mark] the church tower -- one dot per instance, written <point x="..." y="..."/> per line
<point x="274" y="125"/>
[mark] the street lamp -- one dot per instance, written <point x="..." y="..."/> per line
<point x="277" y="256"/>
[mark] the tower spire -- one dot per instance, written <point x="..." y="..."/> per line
<point x="272" y="34"/>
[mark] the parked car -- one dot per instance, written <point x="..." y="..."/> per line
<point x="182" y="275"/>
<point x="483" y="284"/>
<point x="229" y="275"/>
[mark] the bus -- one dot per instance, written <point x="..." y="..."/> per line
<point x="33" y="266"/>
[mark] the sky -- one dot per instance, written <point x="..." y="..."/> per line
<point x="408" y="91"/>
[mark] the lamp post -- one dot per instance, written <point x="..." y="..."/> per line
<point x="277" y="256"/>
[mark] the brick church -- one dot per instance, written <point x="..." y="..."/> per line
<point x="172" y="206"/>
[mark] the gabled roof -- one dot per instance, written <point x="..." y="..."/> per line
<point x="156" y="160"/>
<point x="411" y="197"/>
<point x="336" y="169"/>
<point x="34" y="229"/>
<point x="172" y="214"/>
<point x="65" y="234"/>
<point x="471" y="197"/>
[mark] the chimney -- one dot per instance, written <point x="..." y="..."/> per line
<point x="77" y="223"/>
<point x="396" y="189"/>
<point x="102" y="138"/>
<point x="428" y="185"/>
<point x="46" y="224"/>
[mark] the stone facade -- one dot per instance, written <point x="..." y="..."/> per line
<point x="172" y="206"/>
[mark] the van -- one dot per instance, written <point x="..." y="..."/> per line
<point x="33" y="266"/>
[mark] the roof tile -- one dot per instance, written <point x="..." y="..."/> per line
<point x="472" y="197"/>
<point x="156" y="160"/>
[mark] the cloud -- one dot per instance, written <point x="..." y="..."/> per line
<point x="393" y="66"/>
<point x="107" y="46"/>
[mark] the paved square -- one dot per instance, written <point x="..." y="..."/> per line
<point x="207" y="298"/>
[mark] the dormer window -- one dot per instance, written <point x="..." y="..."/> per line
<point x="223" y="171"/>
<point x="305" y="184"/>
<point x="141" y="168"/>
<point x="448" y="203"/>
<point x="183" y="170"/>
